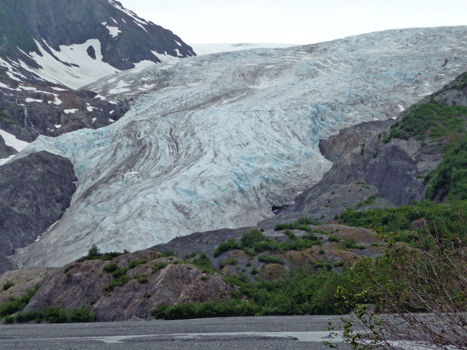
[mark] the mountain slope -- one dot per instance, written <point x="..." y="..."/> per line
<point x="49" y="48"/>
<point x="216" y="141"/>
<point x="76" y="42"/>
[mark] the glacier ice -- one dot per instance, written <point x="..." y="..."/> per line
<point x="214" y="141"/>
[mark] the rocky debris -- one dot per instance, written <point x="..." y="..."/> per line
<point x="173" y="282"/>
<point x="22" y="280"/>
<point x="34" y="193"/>
<point x="6" y="151"/>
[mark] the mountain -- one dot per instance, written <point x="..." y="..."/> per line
<point x="50" y="48"/>
<point x="74" y="42"/>
<point x="219" y="140"/>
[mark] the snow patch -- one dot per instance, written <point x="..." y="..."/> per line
<point x="82" y="70"/>
<point x="70" y="111"/>
<point x="12" y="141"/>
<point x="58" y="126"/>
<point x="114" y="31"/>
<point x="29" y="100"/>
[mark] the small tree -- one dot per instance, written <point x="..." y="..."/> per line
<point x="420" y="295"/>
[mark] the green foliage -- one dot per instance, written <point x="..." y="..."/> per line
<point x="432" y="119"/>
<point x="136" y="263"/>
<point x="158" y="266"/>
<point x="117" y="282"/>
<point x="450" y="176"/>
<point x="351" y="243"/>
<point x="397" y="221"/>
<point x="226" y="246"/>
<point x="300" y="224"/>
<point x="56" y="314"/>
<point x="250" y="238"/>
<point x="8" y="285"/>
<point x="10" y="319"/>
<point x="270" y="259"/>
<point x="203" y="262"/>
<point x="30" y="315"/>
<point x="334" y="238"/>
<point x="111" y="267"/>
<point x="82" y="314"/>
<point x="17" y="304"/>
<point x="95" y="254"/>
<point x="369" y="201"/>
<point x="166" y="254"/>
<point x="302" y="291"/>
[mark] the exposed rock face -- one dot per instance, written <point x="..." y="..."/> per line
<point x="83" y="284"/>
<point x="40" y="109"/>
<point x="34" y="193"/>
<point x="5" y="151"/>
<point x="394" y="170"/>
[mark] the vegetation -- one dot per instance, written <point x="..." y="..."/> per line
<point x="369" y="201"/>
<point x="8" y="285"/>
<point x="431" y="119"/>
<point x="57" y="314"/>
<point x="301" y="291"/>
<point x="407" y="281"/>
<point x="450" y="176"/>
<point x="17" y="304"/>
<point x="95" y="254"/>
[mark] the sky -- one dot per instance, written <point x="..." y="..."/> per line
<point x="293" y="21"/>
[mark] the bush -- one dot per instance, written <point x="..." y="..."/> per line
<point x="8" y="285"/>
<point x="82" y="314"/>
<point x="351" y="243"/>
<point x="56" y="314"/>
<point x="9" y="319"/>
<point x="250" y="238"/>
<point x="30" y="316"/>
<point x="158" y="266"/>
<point x="117" y="282"/>
<point x="270" y="259"/>
<point x="226" y="246"/>
<point x="136" y="263"/>
<point x="17" y="304"/>
<point x="111" y="267"/>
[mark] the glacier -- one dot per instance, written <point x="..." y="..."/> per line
<point x="214" y="141"/>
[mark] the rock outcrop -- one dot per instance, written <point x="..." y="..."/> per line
<point x="172" y="282"/>
<point x="35" y="191"/>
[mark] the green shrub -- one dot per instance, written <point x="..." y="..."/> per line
<point x="17" y="304"/>
<point x="158" y="266"/>
<point x="30" y="315"/>
<point x="250" y="238"/>
<point x="226" y="246"/>
<point x="119" y="271"/>
<point x="82" y="314"/>
<point x="203" y="262"/>
<point x="254" y="270"/>
<point x="111" y="267"/>
<point x="270" y="259"/>
<point x="9" y="319"/>
<point x="56" y="314"/>
<point x="334" y="238"/>
<point x="8" y="285"/>
<point x="136" y="263"/>
<point x="351" y="243"/>
<point x="117" y="282"/>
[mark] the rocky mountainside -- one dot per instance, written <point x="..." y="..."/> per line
<point x="216" y="141"/>
<point x="35" y="191"/>
<point x="50" y="48"/>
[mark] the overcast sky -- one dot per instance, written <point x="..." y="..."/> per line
<point x="293" y="21"/>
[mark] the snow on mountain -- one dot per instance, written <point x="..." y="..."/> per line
<point x="215" y="141"/>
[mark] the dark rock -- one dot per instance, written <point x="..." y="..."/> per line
<point x="35" y="191"/>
